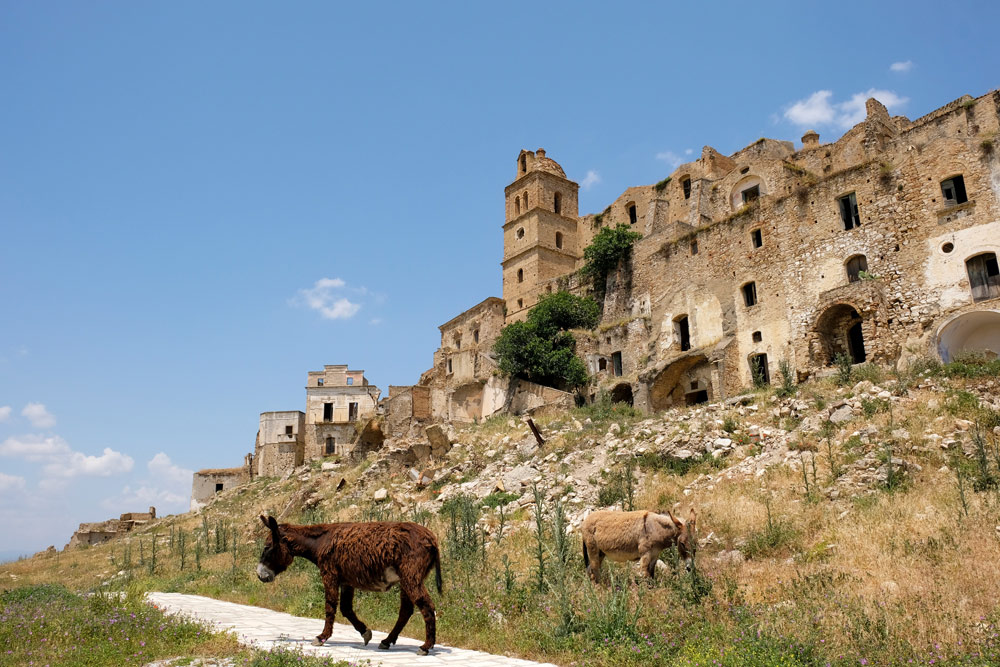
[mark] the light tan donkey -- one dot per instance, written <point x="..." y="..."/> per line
<point x="640" y="535"/>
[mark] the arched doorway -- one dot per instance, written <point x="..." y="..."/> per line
<point x="976" y="332"/>
<point x="839" y="332"/>
<point x="622" y="394"/>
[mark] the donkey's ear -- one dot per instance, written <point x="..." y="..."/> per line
<point x="272" y="523"/>
<point x="263" y="520"/>
<point x="692" y="518"/>
<point x="677" y="522"/>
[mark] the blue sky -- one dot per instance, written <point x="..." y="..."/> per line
<point x="201" y="202"/>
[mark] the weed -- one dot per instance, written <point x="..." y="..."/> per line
<point x="788" y="386"/>
<point x="845" y="370"/>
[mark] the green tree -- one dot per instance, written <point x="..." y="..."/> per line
<point x="540" y="349"/>
<point x="609" y="247"/>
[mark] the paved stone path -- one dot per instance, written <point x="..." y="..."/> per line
<point x="264" y="628"/>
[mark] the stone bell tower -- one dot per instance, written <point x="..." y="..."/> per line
<point x="540" y="237"/>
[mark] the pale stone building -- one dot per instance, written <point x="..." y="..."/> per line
<point x="280" y="445"/>
<point x="338" y="402"/>
<point x="880" y="246"/>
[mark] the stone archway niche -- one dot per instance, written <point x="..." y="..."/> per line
<point x="840" y="331"/>
<point x="971" y="333"/>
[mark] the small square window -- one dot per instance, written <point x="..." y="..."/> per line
<point x="288" y="430"/>
<point x="954" y="191"/>
<point x="757" y="238"/>
<point x="757" y="337"/>
<point x="750" y="294"/>
<point x="751" y="194"/>
<point x="319" y="382"/>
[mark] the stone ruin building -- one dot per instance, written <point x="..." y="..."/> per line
<point x="89" y="534"/>
<point x="881" y="246"/>
<point x="339" y="403"/>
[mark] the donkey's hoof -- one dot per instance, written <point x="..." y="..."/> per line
<point x="422" y="651"/>
<point x="318" y="642"/>
<point x="384" y="645"/>
<point x="367" y="636"/>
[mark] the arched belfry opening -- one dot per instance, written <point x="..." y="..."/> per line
<point x="839" y="331"/>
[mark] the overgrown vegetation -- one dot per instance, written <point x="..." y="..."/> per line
<point x="541" y="349"/>
<point x="609" y="247"/>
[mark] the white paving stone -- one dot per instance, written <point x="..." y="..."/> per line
<point x="264" y="628"/>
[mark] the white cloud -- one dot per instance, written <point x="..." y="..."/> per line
<point x="77" y="464"/>
<point x="161" y="467"/>
<point x="4" y="413"/>
<point x="904" y="66"/>
<point x="11" y="483"/>
<point x="326" y="298"/>
<point x="818" y="109"/>
<point x="35" y="448"/>
<point x="590" y="180"/>
<point x="146" y="495"/>
<point x="38" y="415"/>
<point x="672" y="158"/>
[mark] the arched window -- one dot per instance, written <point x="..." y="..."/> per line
<point x="557" y="203"/>
<point x="520" y="275"/>
<point x="525" y="200"/>
<point x="475" y="336"/>
<point x="633" y="215"/>
<point x="524" y="164"/>
<point x="559" y="239"/>
<point x="855" y="265"/>
<point x="517" y="206"/>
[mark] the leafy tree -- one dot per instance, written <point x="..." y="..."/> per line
<point x="540" y="349"/>
<point x="608" y="248"/>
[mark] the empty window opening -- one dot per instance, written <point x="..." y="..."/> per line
<point x="449" y="365"/>
<point x="517" y="206"/>
<point x="520" y="303"/>
<point x="350" y="381"/>
<point x="756" y="238"/>
<point x="218" y="487"/>
<point x="602" y="364"/>
<point x="633" y="216"/>
<point x="745" y="170"/>
<point x="548" y="289"/>
<point x="524" y="164"/>
<point x="686" y="185"/>
<point x="559" y="239"/>
<point x="694" y="247"/>
<point x="525" y="200"/>
<point x="352" y="412"/>
<point x="984" y="276"/>
<point x="520" y="275"/>
<point x="849" y="211"/>
<point x="953" y="190"/>
<point x="616" y="363"/>
<point x="288" y="430"/>
<point x="751" y="194"/>
<point x="475" y="336"/>
<point x="758" y="369"/>
<point x="947" y="247"/>
<point x="328" y="412"/>
<point x="331" y="446"/>
<point x="520" y="232"/>
<point x="750" y="294"/>
<point x="319" y="382"/>
<point x="696" y="397"/>
<point x="757" y="336"/>
<point x="694" y="384"/>
<point x="682" y="332"/>
<point x="855" y="265"/>
<point x="557" y="203"/>
<point x="458" y="342"/>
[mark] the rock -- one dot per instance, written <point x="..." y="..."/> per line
<point x="615" y="429"/>
<point x="420" y="451"/>
<point x="885" y="395"/>
<point x="328" y="465"/>
<point x="520" y="476"/>
<point x="734" y="557"/>
<point x="527" y="447"/>
<point x="842" y="414"/>
<point x="439" y="438"/>
<point x="381" y="495"/>
<point x="723" y="443"/>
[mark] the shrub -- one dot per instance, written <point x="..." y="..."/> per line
<point x="609" y="247"/>
<point x="845" y="368"/>
<point x="540" y="349"/>
<point x="787" y="387"/>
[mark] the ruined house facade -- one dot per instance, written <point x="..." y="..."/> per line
<point x="89" y="534"/>
<point x="881" y="246"/>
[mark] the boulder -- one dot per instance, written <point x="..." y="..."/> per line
<point x="439" y="438"/>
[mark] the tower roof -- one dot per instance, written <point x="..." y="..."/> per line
<point x="543" y="163"/>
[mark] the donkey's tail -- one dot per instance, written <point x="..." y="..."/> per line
<point x="437" y="568"/>
<point x="586" y="558"/>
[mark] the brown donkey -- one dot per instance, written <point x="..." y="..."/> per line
<point x="364" y="556"/>
<point x="640" y="535"/>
